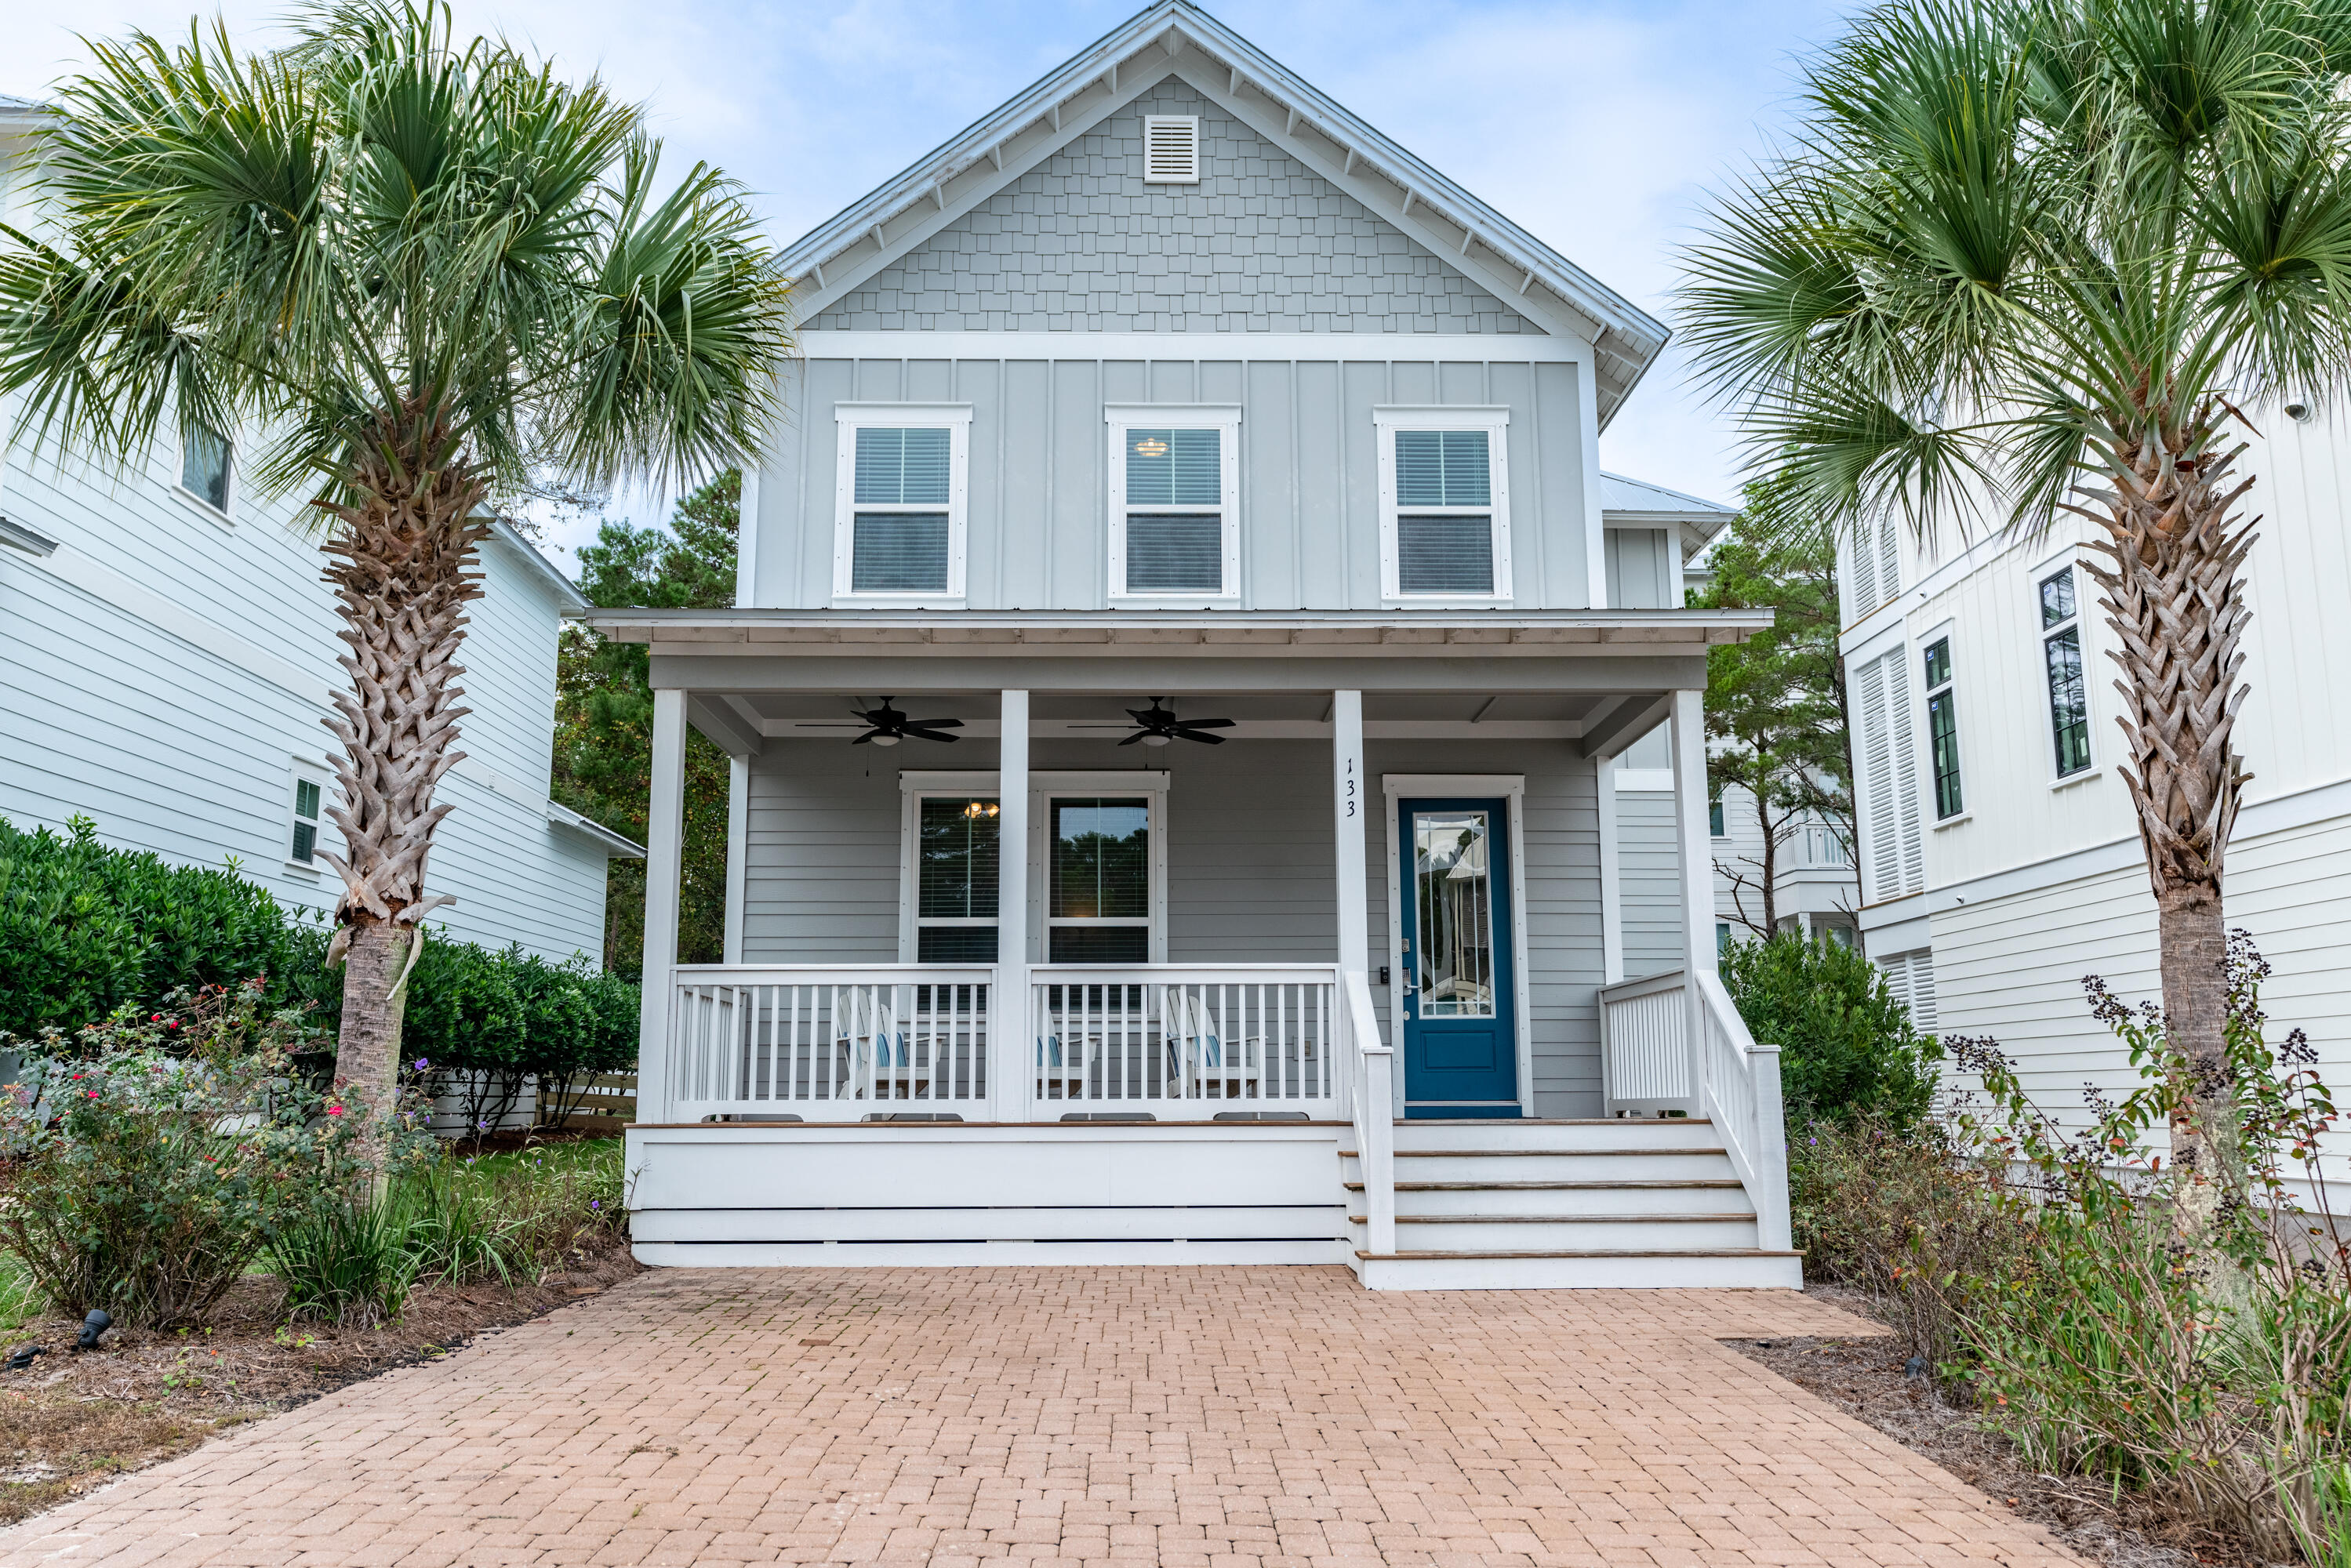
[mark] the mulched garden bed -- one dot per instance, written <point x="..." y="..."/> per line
<point x="1866" y="1379"/>
<point x="74" y="1421"/>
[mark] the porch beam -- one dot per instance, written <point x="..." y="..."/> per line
<point x="1010" y="1073"/>
<point x="1697" y="844"/>
<point x="1627" y="722"/>
<point x="664" y="866"/>
<point x="726" y="729"/>
<point x="1117" y="672"/>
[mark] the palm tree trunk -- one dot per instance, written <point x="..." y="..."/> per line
<point x="401" y="565"/>
<point x="2175" y="600"/>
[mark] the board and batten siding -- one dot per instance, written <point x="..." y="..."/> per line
<point x="1250" y="865"/>
<point x="169" y="667"/>
<point x="1309" y="471"/>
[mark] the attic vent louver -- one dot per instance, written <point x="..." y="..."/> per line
<point x="1171" y="149"/>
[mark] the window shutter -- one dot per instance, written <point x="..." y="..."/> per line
<point x="1878" y="804"/>
<point x="1171" y="149"/>
<point x="1864" y="579"/>
<point x="1445" y="555"/>
<point x="1896" y="970"/>
<point x="1890" y="561"/>
<point x="1923" y="1016"/>
<point x="1906" y="772"/>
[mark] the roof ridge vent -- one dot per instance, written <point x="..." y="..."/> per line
<point x="1171" y="149"/>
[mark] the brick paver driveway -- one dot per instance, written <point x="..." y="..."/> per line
<point x="1214" y="1416"/>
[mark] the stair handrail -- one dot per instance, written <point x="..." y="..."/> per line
<point x="1739" y="1082"/>
<point x="1373" y="1104"/>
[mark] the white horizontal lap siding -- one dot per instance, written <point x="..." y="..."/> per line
<point x="1038" y="488"/>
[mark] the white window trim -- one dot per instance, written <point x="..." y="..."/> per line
<point x="224" y="516"/>
<point x="2067" y="560"/>
<point x="920" y="784"/>
<point x="301" y="770"/>
<point x="1223" y="418"/>
<point x="1496" y="423"/>
<point x="848" y="418"/>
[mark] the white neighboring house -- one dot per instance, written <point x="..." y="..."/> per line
<point x="1171" y="377"/>
<point x="2001" y="856"/>
<point x="170" y="647"/>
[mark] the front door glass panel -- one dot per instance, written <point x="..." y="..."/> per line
<point x="1452" y="901"/>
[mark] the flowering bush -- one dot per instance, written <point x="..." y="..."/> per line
<point x="151" y="1157"/>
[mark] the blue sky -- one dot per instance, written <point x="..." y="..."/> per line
<point x="1598" y="126"/>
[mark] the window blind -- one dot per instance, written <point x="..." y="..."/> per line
<point x="1443" y="468"/>
<point x="958" y="860"/>
<point x="1175" y="468"/>
<point x="1176" y="552"/>
<point x="903" y="467"/>
<point x="900" y="552"/>
<point x="1445" y="554"/>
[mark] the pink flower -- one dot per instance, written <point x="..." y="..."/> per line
<point x="334" y="1110"/>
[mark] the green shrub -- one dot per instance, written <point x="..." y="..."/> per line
<point x="84" y="929"/>
<point x="1846" y="1047"/>
<point x="151" y="1157"/>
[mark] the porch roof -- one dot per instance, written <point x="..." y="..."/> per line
<point x="1421" y="633"/>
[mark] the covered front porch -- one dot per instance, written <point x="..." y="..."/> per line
<point x="1064" y="956"/>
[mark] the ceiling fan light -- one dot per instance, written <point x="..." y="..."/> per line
<point x="1156" y="738"/>
<point x="886" y="740"/>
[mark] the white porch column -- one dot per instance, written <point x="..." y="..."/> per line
<point x="1687" y="727"/>
<point x="1612" y="883"/>
<point x="1012" y="1070"/>
<point x="739" y="852"/>
<point x="1350" y="799"/>
<point x="664" y="866"/>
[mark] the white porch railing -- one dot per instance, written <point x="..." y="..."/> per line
<point x="1644" y="1046"/>
<point x="1649" y="1062"/>
<point x="828" y="1043"/>
<point x="1372" y="1095"/>
<point x="1192" y="1039"/>
<point x="843" y="1042"/>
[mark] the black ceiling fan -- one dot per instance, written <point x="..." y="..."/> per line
<point x="1158" y="724"/>
<point x="886" y="725"/>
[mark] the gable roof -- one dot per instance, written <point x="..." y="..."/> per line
<point x="1173" y="37"/>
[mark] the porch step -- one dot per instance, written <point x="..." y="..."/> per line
<point x="1417" y="1233"/>
<point x="1566" y="1199"/>
<point x="1724" y="1267"/>
<point x="1496" y="1136"/>
<point x="1692" y="1163"/>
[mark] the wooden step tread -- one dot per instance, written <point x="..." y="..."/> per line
<point x="1534" y="1153"/>
<point x="1601" y="1252"/>
<point x="1562" y="1219"/>
<point x="1554" y="1186"/>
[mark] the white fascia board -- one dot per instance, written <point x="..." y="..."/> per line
<point x="615" y="846"/>
<point x="1391" y="348"/>
<point x="569" y="598"/>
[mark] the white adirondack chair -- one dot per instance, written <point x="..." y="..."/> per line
<point x="1208" y="1065"/>
<point x="881" y="1060"/>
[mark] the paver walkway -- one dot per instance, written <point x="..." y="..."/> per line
<point x="1222" y="1417"/>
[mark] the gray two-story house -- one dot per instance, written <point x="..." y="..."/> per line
<point x="1181" y="628"/>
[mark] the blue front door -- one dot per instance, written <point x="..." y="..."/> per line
<point x="1460" y="1013"/>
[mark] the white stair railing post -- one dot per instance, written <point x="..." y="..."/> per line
<point x="1374" y="1109"/>
<point x="1775" y="1228"/>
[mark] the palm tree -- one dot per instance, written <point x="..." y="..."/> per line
<point x="426" y="273"/>
<point x="2040" y="254"/>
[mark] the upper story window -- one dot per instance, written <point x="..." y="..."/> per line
<point x="207" y="460"/>
<point x="1445" y="508"/>
<point x="899" y="522"/>
<point x="1942" y="729"/>
<point x="1174" y="513"/>
<point x="2061" y="654"/>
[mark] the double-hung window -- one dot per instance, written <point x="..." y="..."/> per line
<point x="2061" y="654"/>
<point x="899" y="527"/>
<point x="207" y="461"/>
<point x="1099" y="879"/>
<point x="1444" y="503"/>
<point x="307" y="811"/>
<point x="1174" y="522"/>
<point x="1942" y="729"/>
